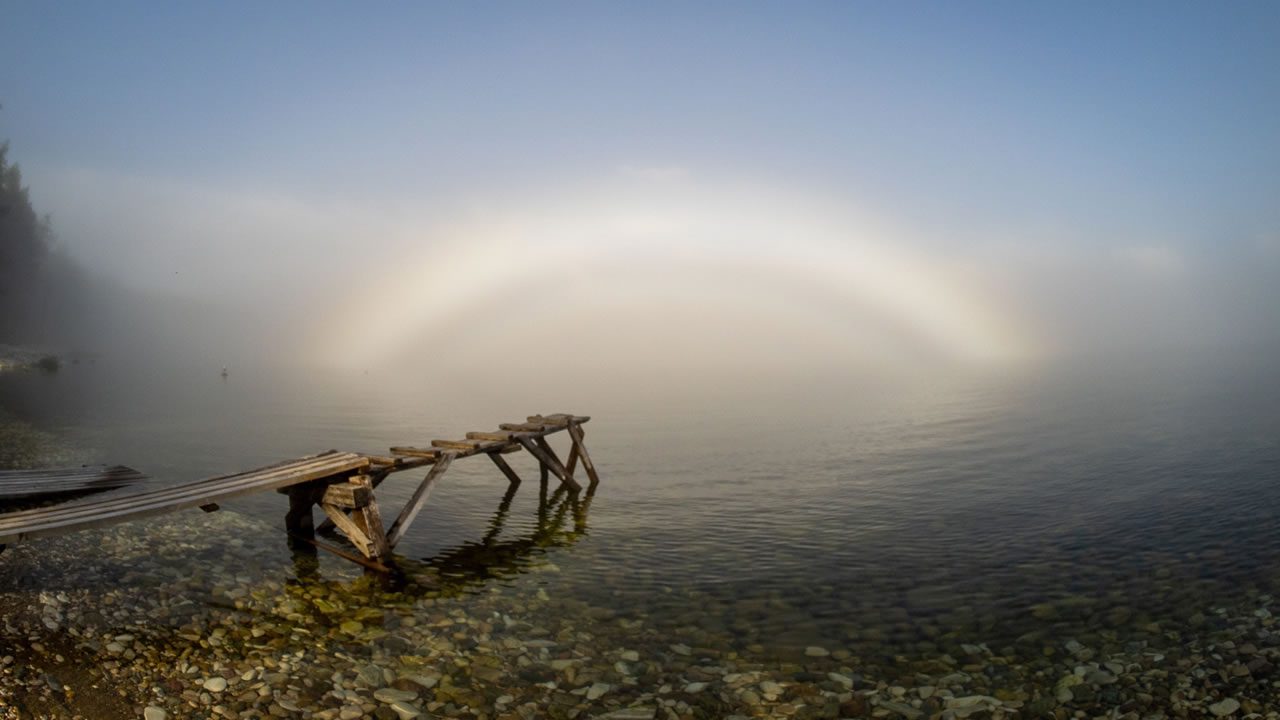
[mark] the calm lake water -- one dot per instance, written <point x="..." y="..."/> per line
<point x="880" y="514"/>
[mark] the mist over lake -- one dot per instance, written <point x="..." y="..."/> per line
<point x="667" y="362"/>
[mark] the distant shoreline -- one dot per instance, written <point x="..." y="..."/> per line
<point x="16" y="358"/>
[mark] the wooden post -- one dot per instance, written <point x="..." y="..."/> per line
<point x="547" y="457"/>
<point x="369" y="519"/>
<point x="298" y="520"/>
<point x="300" y="526"/>
<point x="572" y="464"/>
<point x="505" y="468"/>
<point x="419" y="499"/>
<point x="580" y="449"/>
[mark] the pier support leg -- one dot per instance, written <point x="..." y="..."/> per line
<point x="298" y="521"/>
<point x="580" y="451"/>
<point x="411" y="508"/>
<point x="369" y="520"/>
<point x="300" y="525"/>
<point x="363" y="524"/>
<point x="540" y="449"/>
<point x="505" y="468"/>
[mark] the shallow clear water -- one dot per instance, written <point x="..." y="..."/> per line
<point x="881" y="514"/>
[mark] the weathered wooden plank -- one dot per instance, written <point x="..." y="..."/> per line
<point x="353" y="532"/>
<point x="419" y="498"/>
<point x="16" y="484"/>
<point x="123" y="506"/>
<point x="275" y="476"/>
<point x="415" y="451"/>
<point x="505" y="468"/>
<point x="527" y="427"/>
<point x="558" y="419"/>
<point x="465" y="448"/>
<point x="347" y="495"/>
<point x="457" y="444"/>
<point x="369" y="519"/>
<point x="196" y="493"/>
<point x="501" y="435"/>
<point x="384" y="459"/>
<point x="580" y="446"/>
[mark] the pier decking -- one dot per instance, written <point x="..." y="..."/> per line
<point x="55" y="482"/>
<point x="342" y="484"/>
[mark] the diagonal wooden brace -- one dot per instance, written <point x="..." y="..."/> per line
<point x="349" y="528"/>
<point x="580" y="451"/>
<point x="505" y="468"/>
<point x="411" y="508"/>
<point x="547" y="457"/>
<point x="369" y="518"/>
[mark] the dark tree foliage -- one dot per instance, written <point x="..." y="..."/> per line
<point x="24" y="245"/>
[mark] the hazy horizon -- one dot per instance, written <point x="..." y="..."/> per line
<point x="697" y="191"/>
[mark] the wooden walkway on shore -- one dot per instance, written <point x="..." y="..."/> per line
<point x="342" y="484"/>
<point x="56" y="482"/>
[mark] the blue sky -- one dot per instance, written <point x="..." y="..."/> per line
<point x="1086" y="125"/>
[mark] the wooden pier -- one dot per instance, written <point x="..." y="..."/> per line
<point x="342" y="484"/>
<point x="59" y="482"/>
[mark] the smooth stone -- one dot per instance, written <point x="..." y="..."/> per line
<point x="154" y="713"/>
<point x="391" y="695"/>
<point x="968" y="701"/>
<point x="214" y="684"/>
<point x="406" y="710"/>
<point x="426" y="681"/>
<point x="815" y="651"/>
<point x="598" y="689"/>
<point x="351" y="712"/>
<point x="633" y="713"/>
<point x="370" y="675"/>
<point x="905" y="711"/>
<point x="1225" y="707"/>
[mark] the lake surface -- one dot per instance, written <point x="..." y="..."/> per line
<point x="881" y="515"/>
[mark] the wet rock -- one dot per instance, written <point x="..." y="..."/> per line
<point x="406" y="710"/>
<point x="391" y="695"/>
<point x="214" y="684"/>
<point x="632" y="713"/>
<point x="1223" y="708"/>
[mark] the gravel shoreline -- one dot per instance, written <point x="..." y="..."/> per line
<point x="179" y="618"/>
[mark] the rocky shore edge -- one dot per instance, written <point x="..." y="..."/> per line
<point x="127" y="632"/>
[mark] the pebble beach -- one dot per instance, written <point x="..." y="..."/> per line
<point x="177" y="618"/>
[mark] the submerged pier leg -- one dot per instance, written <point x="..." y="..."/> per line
<point x="300" y="525"/>
<point x="580" y="451"/>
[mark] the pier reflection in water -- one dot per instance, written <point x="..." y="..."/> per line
<point x="561" y="521"/>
